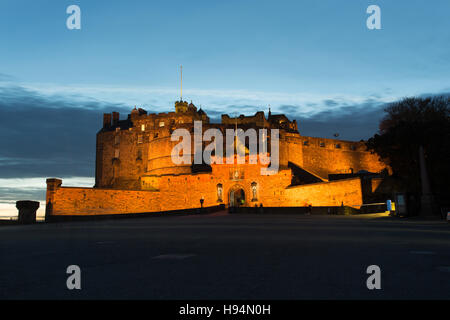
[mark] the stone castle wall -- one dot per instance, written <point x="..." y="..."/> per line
<point x="185" y="191"/>
<point x="129" y="148"/>
<point x="332" y="193"/>
<point x="329" y="156"/>
<point x="122" y="156"/>
<point x="93" y="201"/>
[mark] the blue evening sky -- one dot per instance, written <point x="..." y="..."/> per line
<point x="316" y="47"/>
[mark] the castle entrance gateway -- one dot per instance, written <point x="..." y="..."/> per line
<point x="237" y="196"/>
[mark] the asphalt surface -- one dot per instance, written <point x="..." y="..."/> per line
<point x="223" y="256"/>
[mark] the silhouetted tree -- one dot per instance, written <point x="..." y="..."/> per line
<point x="408" y="124"/>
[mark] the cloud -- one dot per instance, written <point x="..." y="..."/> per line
<point x="48" y="135"/>
<point x="223" y="101"/>
<point x="351" y="122"/>
<point x="6" y="77"/>
<point x="330" y="103"/>
<point x="289" y="109"/>
<point x="446" y="93"/>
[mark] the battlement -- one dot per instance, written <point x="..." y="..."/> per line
<point x="327" y="143"/>
<point x="139" y="118"/>
<point x="279" y="121"/>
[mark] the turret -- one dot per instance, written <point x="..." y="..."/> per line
<point x="115" y="118"/>
<point x="106" y="120"/>
<point x="181" y="106"/>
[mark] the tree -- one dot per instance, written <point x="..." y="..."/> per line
<point x="410" y="123"/>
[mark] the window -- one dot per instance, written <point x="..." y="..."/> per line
<point x="116" y="139"/>
<point x="161" y="124"/>
<point x="139" y="155"/>
<point x="338" y="146"/>
<point x="306" y="143"/>
<point x="116" y="153"/>
<point x="322" y="144"/>
<point x="140" y="138"/>
<point x="142" y="127"/>
<point x="353" y="147"/>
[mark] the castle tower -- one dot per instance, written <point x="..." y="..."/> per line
<point x="181" y="106"/>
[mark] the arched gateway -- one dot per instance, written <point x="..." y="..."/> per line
<point x="236" y="196"/>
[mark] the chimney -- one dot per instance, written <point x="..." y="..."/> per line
<point x="115" y="118"/>
<point x="106" y="120"/>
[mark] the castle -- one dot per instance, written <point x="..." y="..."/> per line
<point x="135" y="172"/>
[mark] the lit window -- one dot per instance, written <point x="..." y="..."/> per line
<point x="161" y="124"/>
<point x="142" y="127"/>
<point x="140" y="138"/>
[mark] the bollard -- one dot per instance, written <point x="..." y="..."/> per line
<point x="27" y="211"/>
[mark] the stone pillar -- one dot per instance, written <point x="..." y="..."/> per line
<point x="52" y="186"/>
<point x="27" y="211"/>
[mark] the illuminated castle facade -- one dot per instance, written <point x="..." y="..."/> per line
<point x="135" y="172"/>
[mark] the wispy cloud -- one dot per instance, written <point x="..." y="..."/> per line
<point x="44" y="135"/>
<point x="155" y="98"/>
<point x="6" y="77"/>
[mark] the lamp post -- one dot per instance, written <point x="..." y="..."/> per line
<point x="202" y="199"/>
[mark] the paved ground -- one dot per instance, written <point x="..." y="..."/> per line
<point x="225" y="256"/>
